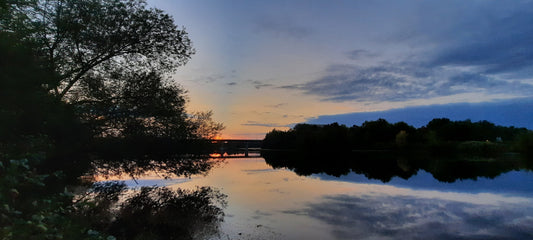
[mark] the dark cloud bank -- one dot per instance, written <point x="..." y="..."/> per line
<point x="476" y="47"/>
<point x="482" y="47"/>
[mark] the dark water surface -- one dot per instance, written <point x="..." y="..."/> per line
<point x="267" y="203"/>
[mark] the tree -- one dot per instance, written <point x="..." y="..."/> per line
<point x="112" y="60"/>
<point x="204" y="126"/>
<point x="82" y="40"/>
<point x="70" y="68"/>
<point x="138" y="104"/>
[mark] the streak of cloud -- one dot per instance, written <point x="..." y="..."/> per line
<point x="260" y="124"/>
<point x="259" y="84"/>
<point x="277" y="105"/>
<point x="360" y="54"/>
<point x="282" y="28"/>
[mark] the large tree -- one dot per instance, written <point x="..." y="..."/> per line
<point x="93" y="37"/>
<point x="69" y="66"/>
<point x="112" y="59"/>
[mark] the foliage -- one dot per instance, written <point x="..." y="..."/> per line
<point x="525" y="144"/>
<point x="111" y="60"/>
<point x="441" y="135"/>
<point x="447" y="130"/>
<point x="29" y="211"/>
<point x="204" y="127"/>
<point x="138" y="105"/>
<point x="83" y="39"/>
<point x="33" y="121"/>
<point x="78" y="72"/>
<point x="78" y="78"/>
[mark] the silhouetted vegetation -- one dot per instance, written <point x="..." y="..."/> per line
<point x="449" y="150"/>
<point x="85" y="87"/>
<point x="440" y="136"/>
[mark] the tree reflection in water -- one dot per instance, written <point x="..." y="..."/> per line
<point x="151" y="212"/>
<point x="388" y="164"/>
<point x="166" y="157"/>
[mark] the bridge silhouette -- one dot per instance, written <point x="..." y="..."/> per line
<point x="237" y="146"/>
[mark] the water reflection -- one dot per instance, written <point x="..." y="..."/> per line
<point x="505" y="184"/>
<point x="139" y="157"/>
<point x="386" y="165"/>
<point x="142" y="206"/>
<point x="151" y="212"/>
<point x="408" y="217"/>
<point x="277" y="203"/>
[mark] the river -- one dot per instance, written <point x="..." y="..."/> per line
<point x="267" y="203"/>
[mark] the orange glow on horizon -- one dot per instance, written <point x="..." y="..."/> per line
<point x="260" y="136"/>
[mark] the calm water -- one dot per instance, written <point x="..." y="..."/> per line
<point x="266" y="203"/>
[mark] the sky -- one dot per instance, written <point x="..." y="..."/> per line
<point x="261" y="65"/>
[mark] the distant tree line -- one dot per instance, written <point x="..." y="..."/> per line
<point x="438" y="134"/>
<point x="449" y="150"/>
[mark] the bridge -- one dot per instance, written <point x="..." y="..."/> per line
<point x="236" y="146"/>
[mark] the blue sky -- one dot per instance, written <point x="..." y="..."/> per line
<point x="266" y="64"/>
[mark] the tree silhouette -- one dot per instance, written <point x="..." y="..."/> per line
<point x="440" y="135"/>
<point x="112" y="60"/>
<point x="85" y="84"/>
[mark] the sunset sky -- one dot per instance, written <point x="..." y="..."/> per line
<point x="270" y="64"/>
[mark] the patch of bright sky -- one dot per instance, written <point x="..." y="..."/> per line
<point x="257" y="62"/>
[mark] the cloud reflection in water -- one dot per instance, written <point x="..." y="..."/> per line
<point x="408" y="217"/>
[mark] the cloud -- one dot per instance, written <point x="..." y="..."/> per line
<point x="503" y="46"/>
<point x="260" y="124"/>
<point x="214" y="78"/>
<point x="258" y="84"/>
<point x="258" y="214"/>
<point x="388" y="82"/>
<point x="481" y="47"/>
<point x="360" y="54"/>
<point x="231" y="83"/>
<point x="405" y="81"/>
<point x="291" y="87"/>
<point x="209" y="78"/>
<point x="282" y="27"/>
<point x="259" y="171"/>
<point x="406" y="217"/>
<point x="277" y="105"/>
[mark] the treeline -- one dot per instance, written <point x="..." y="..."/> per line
<point x="440" y="134"/>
